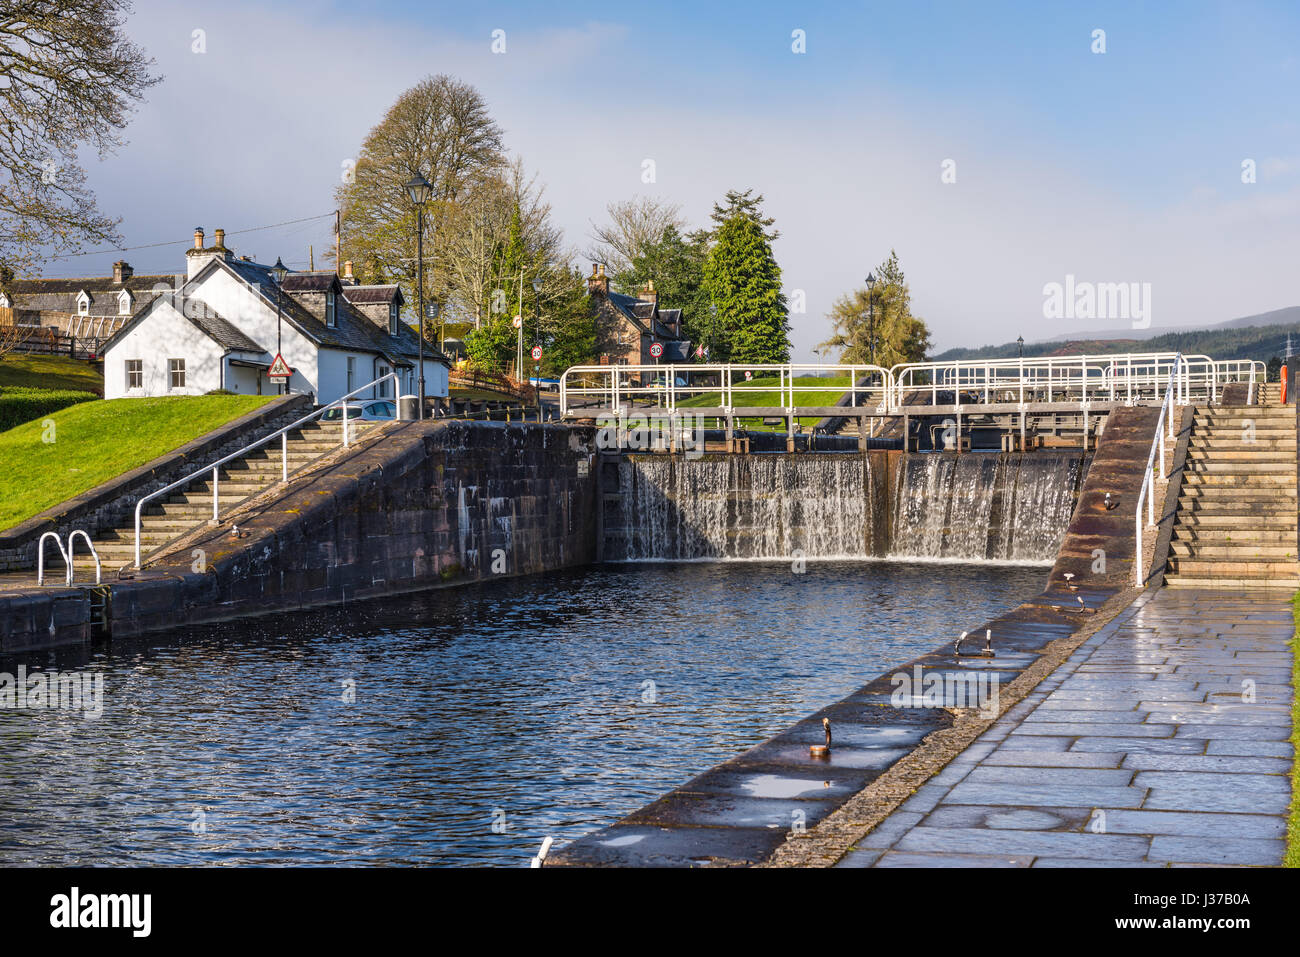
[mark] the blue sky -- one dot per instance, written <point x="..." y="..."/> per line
<point x="1115" y="167"/>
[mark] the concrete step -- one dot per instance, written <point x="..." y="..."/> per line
<point x="1260" y="510"/>
<point x="1193" y="581"/>
<point x="1234" y="463"/>
<point x="1262" y="480"/>
<point x="1242" y="536"/>
<point x="1246" y="454"/>
<point x="1281" y="493"/>
<point x="1233" y="551"/>
<point x="1235" y="567"/>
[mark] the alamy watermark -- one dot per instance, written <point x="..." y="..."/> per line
<point x="945" y="689"/>
<point x="1098" y="300"/>
<point x="654" y="432"/>
<point x="57" y="690"/>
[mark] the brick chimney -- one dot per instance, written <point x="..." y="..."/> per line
<point x="122" y="271"/>
<point x="200" y="255"/>
<point x="648" y="293"/>
<point x="598" y="282"/>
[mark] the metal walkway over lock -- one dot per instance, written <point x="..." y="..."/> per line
<point x="1008" y="391"/>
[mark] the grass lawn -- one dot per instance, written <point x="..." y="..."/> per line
<point x="95" y="441"/>
<point x="772" y="396"/>
<point x="1292" y="858"/>
<point x="49" y="372"/>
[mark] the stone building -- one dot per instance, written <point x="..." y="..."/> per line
<point x="627" y="326"/>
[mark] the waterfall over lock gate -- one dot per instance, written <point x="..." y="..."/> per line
<point x="971" y="507"/>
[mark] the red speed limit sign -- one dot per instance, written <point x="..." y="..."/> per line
<point x="537" y="352"/>
<point x="657" y="349"/>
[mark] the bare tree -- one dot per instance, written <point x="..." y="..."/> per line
<point x="474" y="236"/>
<point x="633" y="225"/>
<point x="68" y="77"/>
<point x="12" y="335"/>
<point x="441" y="129"/>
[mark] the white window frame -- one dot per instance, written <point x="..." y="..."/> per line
<point x="137" y="372"/>
<point x="331" y="310"/>
<point x="352" y="374"/>
<point x="381" y="390"/>
<point x="172" y="371"/>
<point x="83" y="304"/>
<point x="4" y="301"/>
<point x="124" y="304"/>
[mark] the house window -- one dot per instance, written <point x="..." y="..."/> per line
<point x="352" y="373"/>
<point x="83" y="305"/>
<point x="330" y="319"/>
<point x="134" y="373"/>
<point x="392" y="319"/>
<point x="177" y="368"/>
<point x="124" y="304"/>
<point x="381" y="391"/>
<point x="4" y="301"/>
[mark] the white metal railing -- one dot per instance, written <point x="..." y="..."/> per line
<point x="1164" y="421"/>
<point x="724" y="387"/>
<point x="67" y="555"/>
<point x="282" y="434"/>
<point x="1129" y="378"/>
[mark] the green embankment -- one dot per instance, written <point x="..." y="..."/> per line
<point x="1292" y="858"/>
<point x="49" y="372"/>
<point x="53" y="459"/>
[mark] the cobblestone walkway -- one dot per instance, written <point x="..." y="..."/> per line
<point x="1145" y="749"/>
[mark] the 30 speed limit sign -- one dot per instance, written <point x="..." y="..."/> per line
<point x="657" y="349"/>
<point x="537" y="352"/>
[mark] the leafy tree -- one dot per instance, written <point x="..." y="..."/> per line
<point x="492" y="345"/>
<point x="70" y="77"/>
<point x="676" y="265"/>
<point x="573" y="339"/>
<point x="877" y="326"/>
<point x="736" y="203"/>
<point x="743" y="283"/>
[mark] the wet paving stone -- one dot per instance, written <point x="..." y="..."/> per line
<point x="1143" y="735"/>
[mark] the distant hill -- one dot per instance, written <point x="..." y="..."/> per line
<point x="1277" y="317"/>
<point x="1250" y="337"/>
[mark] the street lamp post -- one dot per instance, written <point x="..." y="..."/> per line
<point x="419" y="189"/>
<point x="537" y="328"/>
<point x="1020" y="344"/>
<point x="278" y="272"/>
<point x="871" y="313"/>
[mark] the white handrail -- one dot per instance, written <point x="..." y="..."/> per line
<point x="93" y="554"/>
<point x="284" y="451"/>
<point x="40" y="556"/>
<point x="1177" y="376"/>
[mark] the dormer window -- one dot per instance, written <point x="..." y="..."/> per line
<point x="392" y="320"/>
<point x="124" y="304"/>
<point x="331" y="319"/>
<point x="4" y="301"/>
<point x="83" y="304"/>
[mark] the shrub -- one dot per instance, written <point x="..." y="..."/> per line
<point x="19" y="405"/>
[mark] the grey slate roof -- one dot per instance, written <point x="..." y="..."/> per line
<point x="352" y="331"/>
<point x="386" y="293"/>
<point x="60" y="295"/>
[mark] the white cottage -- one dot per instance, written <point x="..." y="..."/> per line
<point x="218" y="329"/>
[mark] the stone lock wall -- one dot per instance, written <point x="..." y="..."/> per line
<point x="434" y="503"/>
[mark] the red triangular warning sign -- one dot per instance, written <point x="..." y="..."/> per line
<point x="279" y="367"/>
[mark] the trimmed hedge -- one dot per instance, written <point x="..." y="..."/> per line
<point x="18" y="405"/>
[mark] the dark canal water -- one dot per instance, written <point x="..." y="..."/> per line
<point x="484" y="718"/>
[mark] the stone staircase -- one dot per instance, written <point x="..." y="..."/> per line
<point x="166" y="519"/>
<point x="1235" y="526"/>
